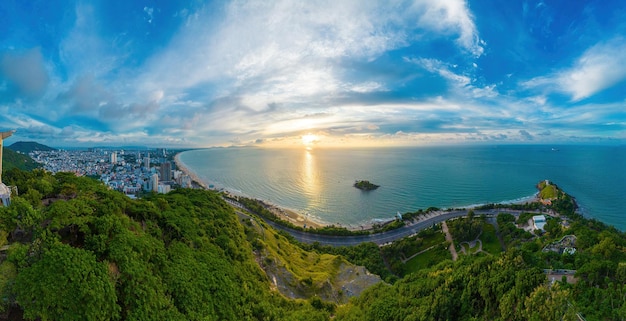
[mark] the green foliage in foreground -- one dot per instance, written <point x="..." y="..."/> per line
<point x="492" y="288"/>
<point x="81" y="252"/>
<point x="511" y="285"/>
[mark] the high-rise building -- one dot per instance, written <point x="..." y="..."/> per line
<point x="114" y="158"/>
<point x="154" y="183"/>
<point x="166" y="171"/>
<point x="146" y="162"/>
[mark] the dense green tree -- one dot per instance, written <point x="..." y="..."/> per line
<point x="66" y="284"/>
<point x="548" y="304"/>
<point x="20" y="214"/>
<point x="185" y="256"/>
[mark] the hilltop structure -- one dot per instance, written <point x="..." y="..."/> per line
<point x="5" y="192"/>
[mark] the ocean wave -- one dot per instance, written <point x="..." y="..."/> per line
<point x="518" y="200"/>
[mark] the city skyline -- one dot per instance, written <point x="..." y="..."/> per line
<point x="317" y="73"/>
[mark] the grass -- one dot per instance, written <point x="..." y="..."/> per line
<point x="548" y="192"/>
<point x="428" y="241"/>
<point x="431" y="240"/>
<point x="309" y="267"/>
<point x="428" y="259"/>
<point x="490" y="240"/>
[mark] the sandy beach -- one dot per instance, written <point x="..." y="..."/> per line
<point x="293" y="216"/>
<point x="286" y="214"/>
<point x="301" y="219"/>
<point x="194" y="178"/>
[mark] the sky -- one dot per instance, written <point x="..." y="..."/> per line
<point x="325" y="73"/>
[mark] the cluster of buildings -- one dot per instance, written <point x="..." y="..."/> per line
<point x="130" y="172"/>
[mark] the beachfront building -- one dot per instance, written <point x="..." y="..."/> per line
<point x="185" y="181"/>
<point x="166" y="171"/>
<point x="164" y="188"/>
<point x="154" y="183"/>
<point x="539" y="221"/>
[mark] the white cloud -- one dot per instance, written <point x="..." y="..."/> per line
<point x="599" y="68"/>
<point x="463" y="83"/>
<point x="451" y="16"/>
<point x="264" y="43"/>
<point x="441" y="68"/>
<point x="366" y="87"/>
<point x="261" y="68"/>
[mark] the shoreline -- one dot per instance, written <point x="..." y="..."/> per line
<point x="300" y="219"/>
<point x="195" y="180"/>
<point x="284" y="213"/>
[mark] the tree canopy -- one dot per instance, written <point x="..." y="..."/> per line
<point x="78" y="251"/>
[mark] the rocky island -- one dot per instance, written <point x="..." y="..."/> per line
<point x="365" y="185"/>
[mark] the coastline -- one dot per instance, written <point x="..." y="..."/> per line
<point x="195" y="180"/>
<point x="300" y="219"/>
<point x="286" y="214"/>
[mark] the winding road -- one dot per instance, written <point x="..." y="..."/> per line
<point x="379" y="238"/>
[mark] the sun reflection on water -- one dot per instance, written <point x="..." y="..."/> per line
<point x="310" y="180"/>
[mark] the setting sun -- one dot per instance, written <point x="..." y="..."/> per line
<point x="309" y="139"/>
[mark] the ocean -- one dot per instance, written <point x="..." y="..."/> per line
<point x="318" y="182"/>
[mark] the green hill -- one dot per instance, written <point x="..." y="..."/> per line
<point x="187" y="255"/>
<point x="27" y="147"/>
<point x="180" y="256"/>
<point x="12" y="159"/>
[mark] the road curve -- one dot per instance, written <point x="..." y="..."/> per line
<point x="378" y="238"/>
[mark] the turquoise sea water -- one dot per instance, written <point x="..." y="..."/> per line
<point x="319" y="182"/>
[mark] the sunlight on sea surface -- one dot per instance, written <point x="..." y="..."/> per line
<point x="318" y="182"/>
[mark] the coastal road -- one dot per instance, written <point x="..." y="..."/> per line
<point x="378" y="238"/>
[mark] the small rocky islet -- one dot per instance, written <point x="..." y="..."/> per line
<point x="365" y="185"/>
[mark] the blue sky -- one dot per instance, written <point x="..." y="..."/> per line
<point x="339" y="73"/>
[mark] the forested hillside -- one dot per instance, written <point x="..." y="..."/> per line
<point x="81" y="252"/>
<point x="574" y="269"/>
<point x="74" y="250"/>
<point x="27" y="147"/>
<point x="12" y="159"/>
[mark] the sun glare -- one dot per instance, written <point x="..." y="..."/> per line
<point x="309" y="139"/>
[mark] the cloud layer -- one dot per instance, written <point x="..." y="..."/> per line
<point x="351" y="72"/>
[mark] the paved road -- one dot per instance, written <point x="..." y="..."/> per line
<point x="379" y="238"/>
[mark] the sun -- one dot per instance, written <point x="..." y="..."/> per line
<point x="309" y="139"/>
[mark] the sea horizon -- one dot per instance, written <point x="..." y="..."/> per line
<point x="317" y="183"/>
